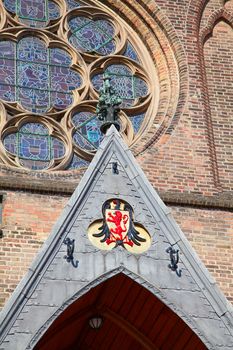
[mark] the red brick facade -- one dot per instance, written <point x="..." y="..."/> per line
<point x="189" y="160"/>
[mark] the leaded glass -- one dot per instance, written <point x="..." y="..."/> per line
<point x="38" y="78"/>
<point x="10" y="143"/>
<point x="77" y="163"/>
<point x="40" y="71"/>
<point x="72" y="4"/>
<point x="88" y="132"/>
<point x="82" y="142"/>
<point x="137" y="121"/>
<point x="34" y="146"/>
<point x="127" y="86"/>
<point x="92" y="36"/>
<point x="33" y="13"/>
<point x="130" y="52"/>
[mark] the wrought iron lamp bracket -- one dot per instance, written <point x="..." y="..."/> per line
<point x="174" y="258"/>
<point x="70" y="251"/>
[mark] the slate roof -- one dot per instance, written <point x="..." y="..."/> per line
<point x="52" y="283"/>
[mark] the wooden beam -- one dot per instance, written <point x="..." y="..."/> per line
<point x="127" y="327"/>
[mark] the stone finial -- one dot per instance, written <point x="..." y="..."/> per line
<point x="108" y="106"/>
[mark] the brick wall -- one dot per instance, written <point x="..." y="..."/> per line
<point x="218" y="51"/>
<point x="27" y="221"/>
<point x="210" y="232"/>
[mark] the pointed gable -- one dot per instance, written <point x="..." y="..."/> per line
<point x="53" y="283"/>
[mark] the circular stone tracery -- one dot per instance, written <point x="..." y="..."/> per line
<point x="105" y="44"/>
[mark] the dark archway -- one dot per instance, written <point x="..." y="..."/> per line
<point x="133" y="318"/>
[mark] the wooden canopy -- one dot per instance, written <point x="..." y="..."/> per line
<point x="133" y="318"/>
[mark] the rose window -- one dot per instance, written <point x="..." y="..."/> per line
<point x="50" y="80"/>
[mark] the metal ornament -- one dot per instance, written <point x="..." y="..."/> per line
<point x="117" y="228"/>
<point x="70" y="251"/>
<point x="174" y="257"/>
<point x="108" y="106"/>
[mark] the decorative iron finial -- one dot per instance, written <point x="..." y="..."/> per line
<point x="108" y="106"/>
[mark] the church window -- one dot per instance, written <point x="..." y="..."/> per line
<point x="33" y="146"/>
<point x="53" y="56"/>
<point x="33" y="13"/>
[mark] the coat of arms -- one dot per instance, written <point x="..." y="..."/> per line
<point x="117" y="228"/>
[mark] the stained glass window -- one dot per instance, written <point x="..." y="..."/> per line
<point x="137" y="120"/>
<point x="37" y="77"/>
<point x="87" y="134"/>
<point x="34" y="147"/>
<point x="55" y="75"/>
<point x="33" y="13"/>
<point x="73" y="4"/>
<point x="77" y="163"/>
<point x="127" y="86"/>
<point x="130" y="52"/>
<point x="92" y="35"/>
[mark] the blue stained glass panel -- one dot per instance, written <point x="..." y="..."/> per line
<point x="32" y="9"/>
<point x="7" y="92"/>
<point x="44" y="77"/>
<point x="88" y="125"/>
<point x="32" y="49"/>
<point x="60" y="57"/>
<point x="53" y="10"/>
<point x="61" y="100"/>
<point x="78" y="22"/>
<point x="7" y="79"/>
<point x="7" y="49"/>
<point x="82" y="117"/>
<point x="10" y="5"/>
<point x="34" y="128"/>
<point x="57" y="148"/>
<point x="63" y="79"/>
<point x="34" y="13"/>
<point x="82" y="142"/>
<point x="34" y="164"/>
<point x="10" y="143"/>
<point x="92" y="36"/>
<point x="140" y="87"/>
<point x="108" y="48"/>
<point x="119" y="69"/>
<point x="34" y="147"/>
<point x="137" y="121"/>
<point x="105" y="26"/>
<point x="77" y="163"/>
<point x="37" y="101"/>
<point x="32" y="75"/>
<point x="92" y="132"/>
<point x="130" y="52"/>
<point x="75" y="42"/>
<point x="72" y="4"/>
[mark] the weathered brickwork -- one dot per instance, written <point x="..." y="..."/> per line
<point x="210" y="232"/>
<point x="193" y="157"/>
<point x="27" y="221"/>
<point x="218" y="52"/>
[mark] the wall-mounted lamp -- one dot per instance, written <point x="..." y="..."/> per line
<point x="96" y="322"/>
